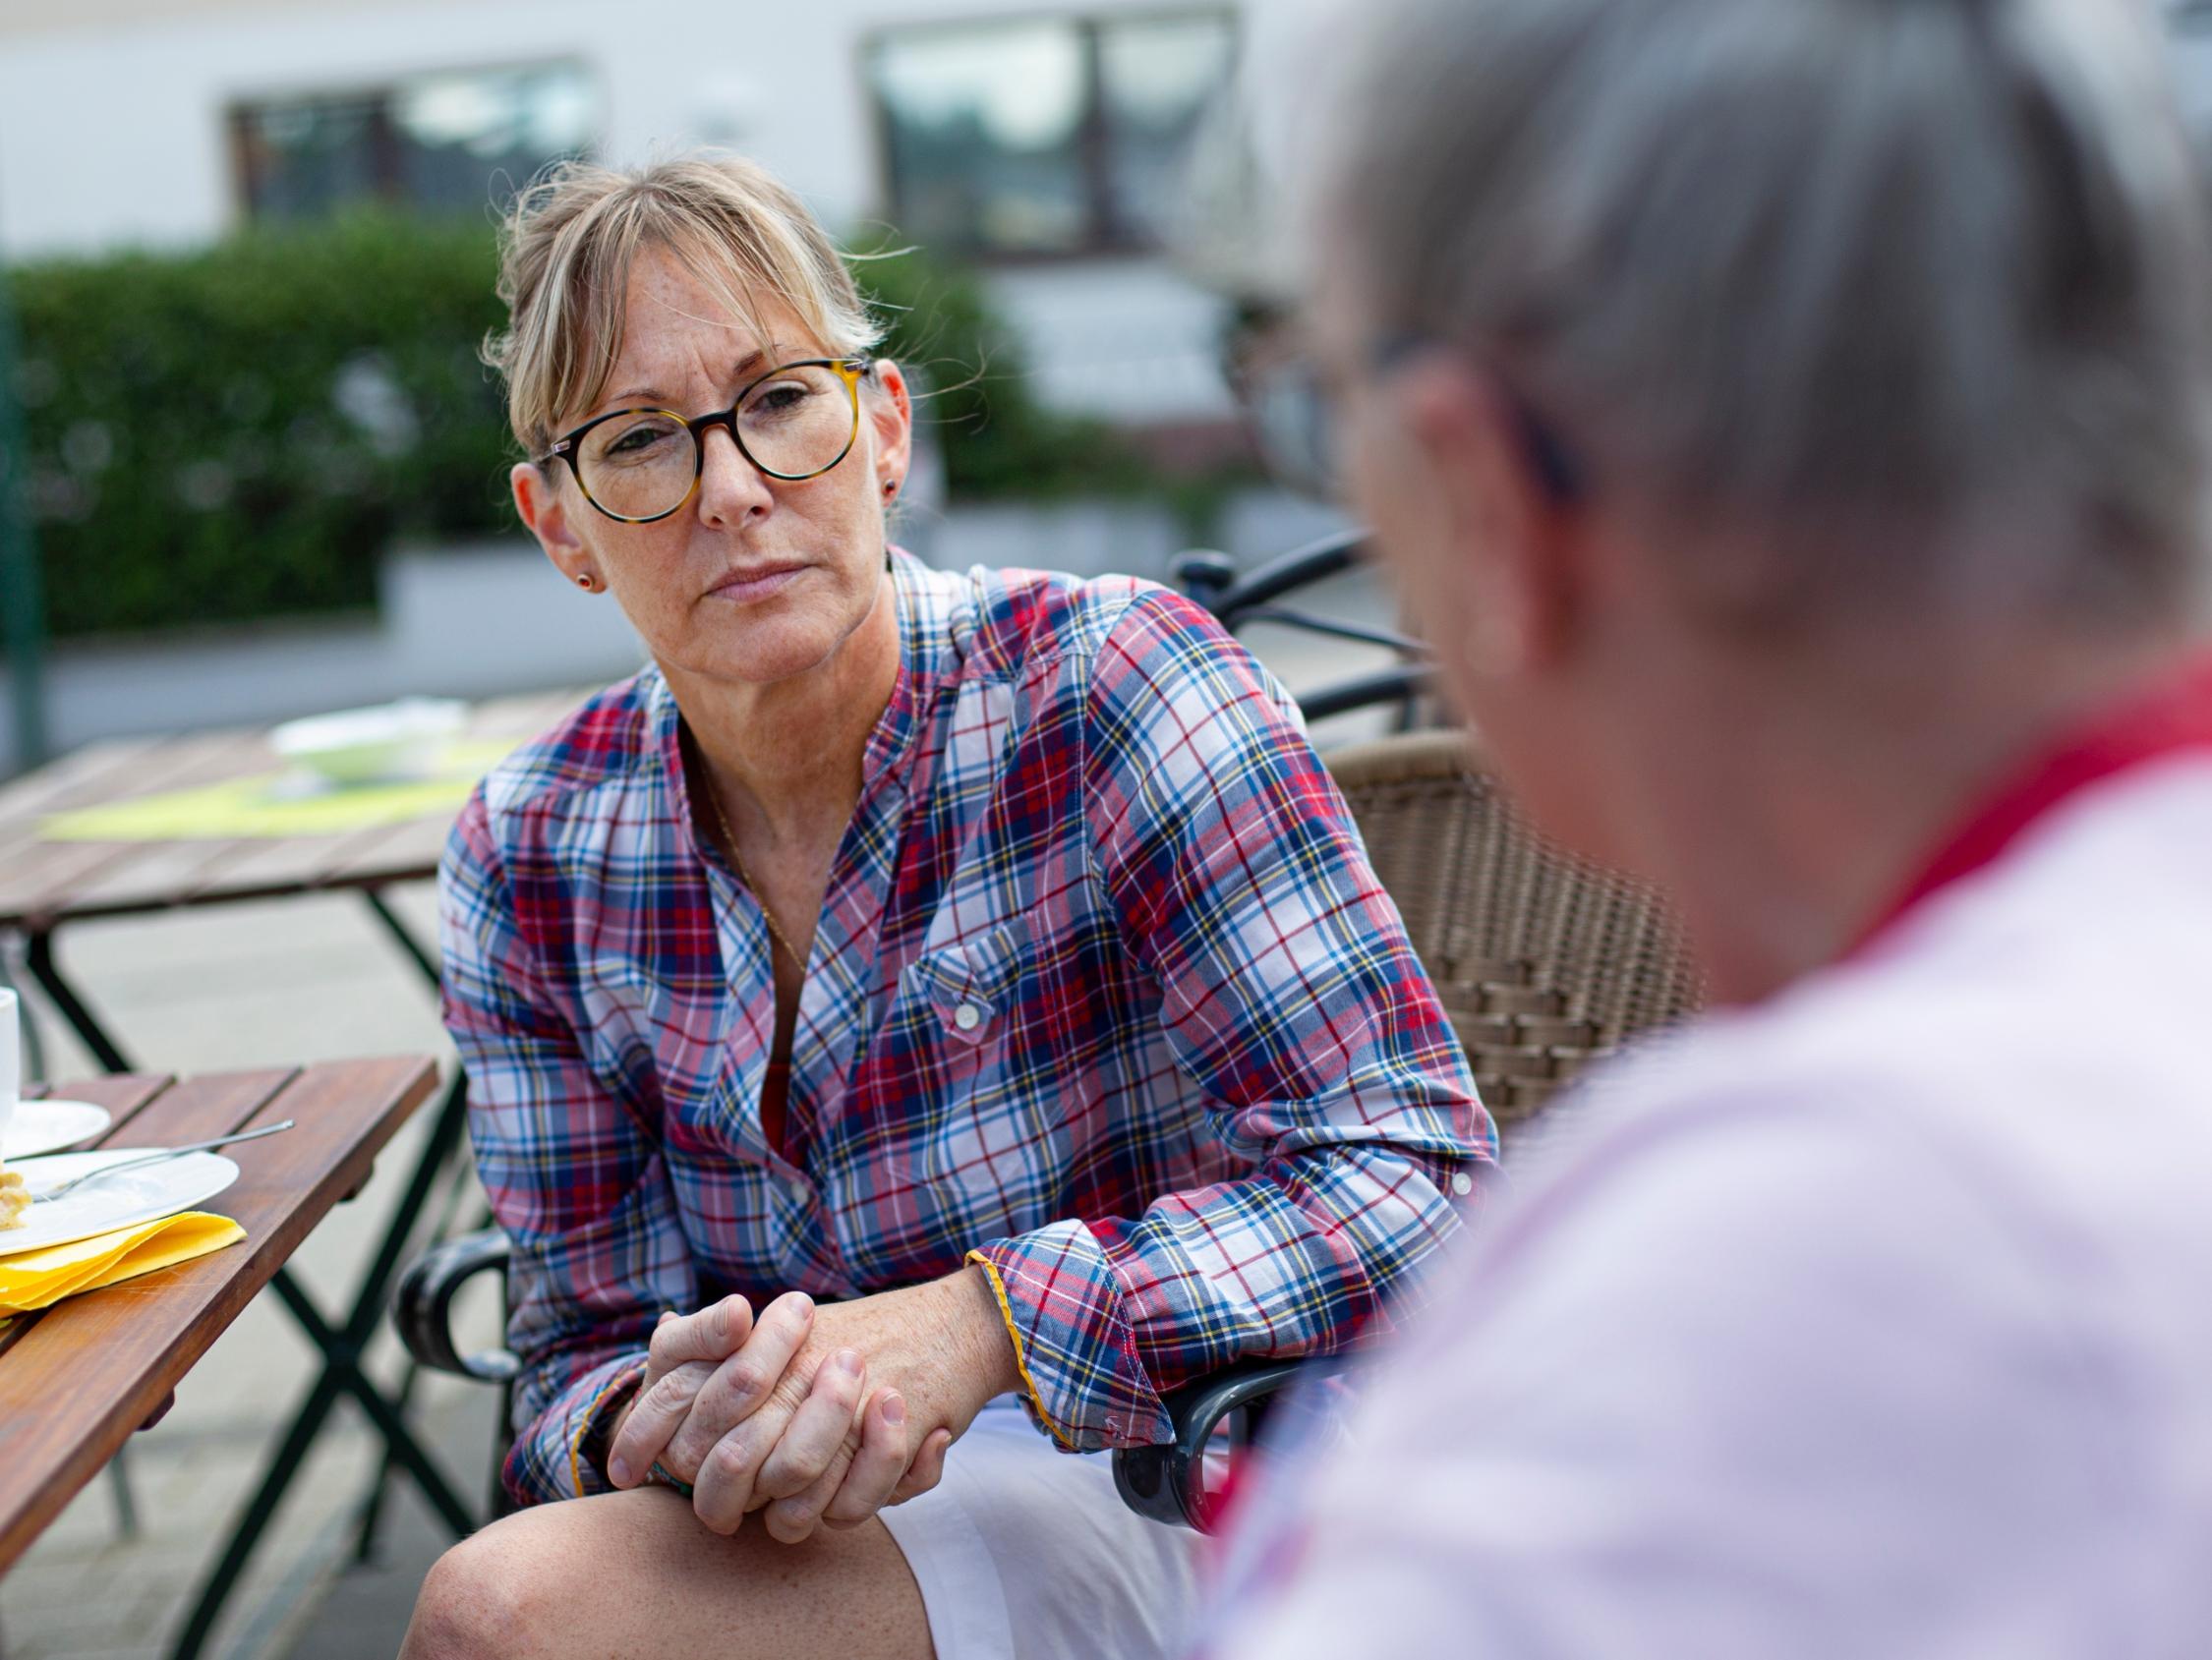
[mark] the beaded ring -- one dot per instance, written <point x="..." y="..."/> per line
<point x="661" y="1475"/>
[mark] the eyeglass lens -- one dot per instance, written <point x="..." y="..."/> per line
<point x="1296" y="423"/>
<point x="796" y="421"/>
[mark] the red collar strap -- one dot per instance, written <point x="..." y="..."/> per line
<point x="2173" y="717"/>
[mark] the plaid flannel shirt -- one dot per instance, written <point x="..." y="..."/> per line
<point x="1103" y="996"/>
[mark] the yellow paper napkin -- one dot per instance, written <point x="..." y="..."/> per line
<point x="36" y="1279"/>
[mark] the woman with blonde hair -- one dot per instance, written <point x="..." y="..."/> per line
<point x="914" y="1002"/>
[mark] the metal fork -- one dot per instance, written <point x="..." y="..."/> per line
<point x="159" y="1156"/>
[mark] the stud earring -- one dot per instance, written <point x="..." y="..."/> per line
<point x="585" y="581"/>
<point x="890" y="488"/>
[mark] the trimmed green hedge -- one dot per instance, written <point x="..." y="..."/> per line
<point x="239" y="433"/>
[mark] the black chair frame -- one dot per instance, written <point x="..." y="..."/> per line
<point x="1257" y="596"/>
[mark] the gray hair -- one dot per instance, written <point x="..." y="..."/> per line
<point x="1911" y="295"/>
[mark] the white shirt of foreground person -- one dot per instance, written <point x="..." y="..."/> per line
<point x="1878" y="1324"/>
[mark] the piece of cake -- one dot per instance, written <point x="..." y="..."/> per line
<point x="15" y="1198"/>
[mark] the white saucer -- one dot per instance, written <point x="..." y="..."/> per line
<point x="47" y="1126"/>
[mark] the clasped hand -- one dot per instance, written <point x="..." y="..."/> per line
<point x="818" y="1415"/>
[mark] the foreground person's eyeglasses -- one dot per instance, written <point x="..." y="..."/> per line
<point x="1293" y="410"/>
<point x="1557" y="468"/>
<point x="796" y="422"/>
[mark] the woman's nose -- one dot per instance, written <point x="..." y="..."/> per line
<point x="732" y="488"/>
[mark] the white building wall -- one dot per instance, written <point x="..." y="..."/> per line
<point x="113" y="133"/>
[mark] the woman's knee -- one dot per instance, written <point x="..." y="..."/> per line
<point x="489" y="1595"/>
<point x="588" y="1576"/>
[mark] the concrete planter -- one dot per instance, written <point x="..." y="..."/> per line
<point x="489" y="618"/>
<point x="474" y="621"/>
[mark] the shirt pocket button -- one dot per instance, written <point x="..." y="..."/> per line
<point x="967" y="1018"/>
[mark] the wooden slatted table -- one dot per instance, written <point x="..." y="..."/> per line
<point x="77" y="1379"/>
<point x="47" y="882"/>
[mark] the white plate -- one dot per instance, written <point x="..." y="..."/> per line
<point x="388" y="744"/>
<point x="47" y="1126"/>
<point x="118" y="1201"/>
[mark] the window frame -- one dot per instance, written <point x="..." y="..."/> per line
<point x="380" y="98"/>
<point x="1103" y="237"/>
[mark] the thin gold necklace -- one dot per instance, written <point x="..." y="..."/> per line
<point x="729" y="840"/>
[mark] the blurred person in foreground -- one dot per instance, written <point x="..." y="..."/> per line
<point x="916" y="997"/>
<point x="1791" y="420"/>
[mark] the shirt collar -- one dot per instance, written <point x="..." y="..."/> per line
<point x="2173" y="717"/>
<point x="930" y="638"/>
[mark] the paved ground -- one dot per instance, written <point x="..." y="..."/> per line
<point x="255" y="985"/>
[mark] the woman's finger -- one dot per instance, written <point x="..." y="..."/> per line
<point x="792" y="1521"/>
<point x="659" y="1409"/>
<point x="744" y="1382"/>
<point x="722" y="1488"/>
<point x="817" y="1431"/>
<point x="715" y="1332"/>
<point x="653" y="1370"/>
<point x="927" y="1468"/>
<point x="876" y="1467"/>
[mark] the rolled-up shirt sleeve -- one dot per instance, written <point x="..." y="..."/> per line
<point x="573" y="1177"/>
<point x="1289" y="993"/>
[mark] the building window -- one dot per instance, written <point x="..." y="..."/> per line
<point x="440" y="142"/>
<point x="1044" y="136"/>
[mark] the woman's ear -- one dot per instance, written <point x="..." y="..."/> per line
<point x="538" y="502"/>
<point x="1516" y="588"/>
<point x="889" y="412"/>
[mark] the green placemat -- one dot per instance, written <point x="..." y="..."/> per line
<point x="276" y="805"/>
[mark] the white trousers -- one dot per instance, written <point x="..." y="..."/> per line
<point x="1024" y="1552"/>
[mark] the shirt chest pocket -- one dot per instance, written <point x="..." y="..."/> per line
<point x="968" y="991"/>
<point x="982" y="1127"/>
